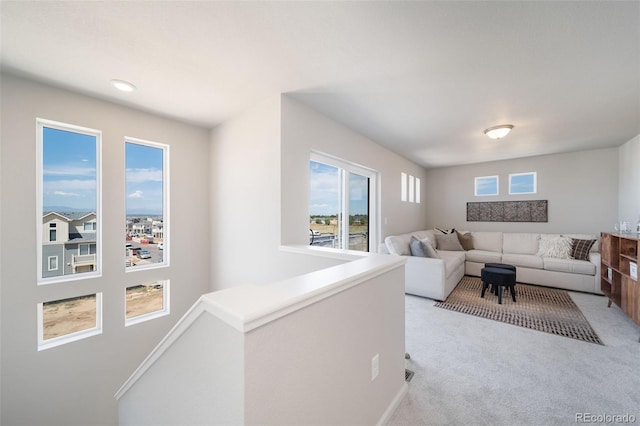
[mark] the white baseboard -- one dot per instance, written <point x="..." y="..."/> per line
<point x="394" y="404"/>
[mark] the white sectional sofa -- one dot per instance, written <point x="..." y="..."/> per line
<point x="435" y="278"/>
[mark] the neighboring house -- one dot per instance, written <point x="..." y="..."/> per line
<point x="68" y="243"/>
<point x="142" y="228"/>
<point x="157" y="229"/>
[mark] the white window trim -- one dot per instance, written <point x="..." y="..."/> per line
<point x="166" y="234"/>
<point x="475" y="185"/>
<point x="72" y="337"/>
<point x="40" y="124"/>
<point x="150" y="315"/>
<point x="417" y="190"/>
<point x="49" y="268"/>
<point x="412" y="188"/>
<point x="374" y="194"/>
<point x="403" y="186"/>
<point x="535" y="183"/>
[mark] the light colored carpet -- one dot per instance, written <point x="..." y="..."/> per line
<point x="550" y="310"/>
<point x="476" y="371"/>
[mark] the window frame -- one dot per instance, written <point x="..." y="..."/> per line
<point x="41" y="124"/>
<point x="49" y="258"/>
<point x="166" y="305"/>
<point x="534" y="175"/>
<point x="71" y="337"/>
<point x="166" y="251"/>
<point x="479" y="179"/>
<point x="346" y="168"/>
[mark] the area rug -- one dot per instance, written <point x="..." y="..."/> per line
<point x="539" y="308"/>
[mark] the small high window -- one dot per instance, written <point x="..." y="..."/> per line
<point x="486" y="185"/>
<point x="523" y="183"/>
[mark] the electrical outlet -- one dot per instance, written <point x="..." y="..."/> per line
<point x="375" y="367"/>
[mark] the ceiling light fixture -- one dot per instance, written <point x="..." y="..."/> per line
<point x="497" y="132"/>
<point x="125" y="86"/>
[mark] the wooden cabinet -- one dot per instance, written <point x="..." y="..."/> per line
<point x="619" y="272"/>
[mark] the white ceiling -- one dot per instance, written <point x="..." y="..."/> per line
<point x="422" y="78"/>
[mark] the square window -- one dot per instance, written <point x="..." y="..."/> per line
<point x="486" y="185"/>
<point x="523" y="183"/>
<point x="146" y="301"/>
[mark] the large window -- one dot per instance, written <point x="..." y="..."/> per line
<point x="68" y="198"/>
<point x="147" y="226"/>
<point x="342" y="204"/>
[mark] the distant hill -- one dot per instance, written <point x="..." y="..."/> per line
<point x="65" y="209"/>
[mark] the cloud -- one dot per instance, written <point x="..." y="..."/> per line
<point x="69" y="185"/>
<point x="137" y="194"/>
<point x="66" y="194"/>
<point x="144" y="175"/>
<point x="68" y="170"/>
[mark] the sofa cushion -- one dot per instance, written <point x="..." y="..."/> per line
<point x="466" y="241"/>
<point x="398" y="244"/>
<point x="555" y="246"/>
<point x="428" y="234"/>
<point x="483" y="256"/>
<point x="449" y="242"/>
<point x="523" y="260"/>
<point x="580" y="248"/>
<point x="452" y="260"/>
<point x="487" y="241"/>
<point x="520" y="243"/>
<point x="569" y="265"/>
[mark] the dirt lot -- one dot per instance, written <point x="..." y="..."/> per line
<point x="72" y="315"/>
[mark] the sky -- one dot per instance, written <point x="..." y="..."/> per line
<point x="69" y="174"/>
<point x="324" y="191"/>
<point x="144" y="178"/>
<point x="69" y="170"/>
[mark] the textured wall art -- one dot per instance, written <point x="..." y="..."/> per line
<point x="507" y="211"/>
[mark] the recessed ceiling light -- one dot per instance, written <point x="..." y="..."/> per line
<point x="497" y="132"/>
<point x="125" y="86"/>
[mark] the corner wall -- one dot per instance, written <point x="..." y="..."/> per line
<point x="74" y="384"/>
<point x="581" y="187"/>
<point x="304" y="130"/>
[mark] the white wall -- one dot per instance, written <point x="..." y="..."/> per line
<point x="260" y="189"/>
<point x="304" y="130"/>
<point x="581" y="188"/>
<point x="629" y="182"/>
<point x="74" y="384"/>
<point x="246" y="202"/>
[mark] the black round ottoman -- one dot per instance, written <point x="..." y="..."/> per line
<point x="499" y="277"/>
<point x="500" y="265"/>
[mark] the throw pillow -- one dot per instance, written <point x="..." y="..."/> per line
<point x="415" y="245"/>
<point x="429" y="250"/>
<point x="580" y="248"/>
<point x="465" y="240"/>
<point x="448" y="242"/>
<point x="555" y="246"/>
<point x="446" y="231"/>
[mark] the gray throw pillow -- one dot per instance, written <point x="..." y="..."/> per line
<point x="449" y="242"/>
<point x="415" y="245"/>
